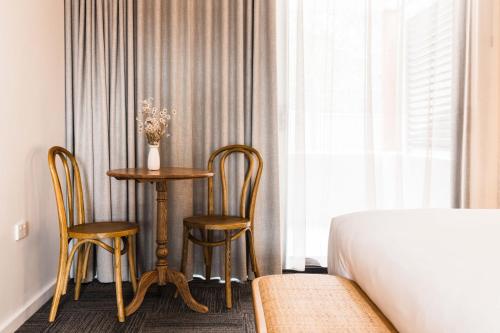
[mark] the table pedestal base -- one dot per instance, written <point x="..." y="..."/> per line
<point x="162" y="276"/>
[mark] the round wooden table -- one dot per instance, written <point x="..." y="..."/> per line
<point x="162" y="274"/>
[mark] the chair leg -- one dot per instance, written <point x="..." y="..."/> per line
<point x="185" y="248"/>
<point x="207" y="254"/>
<point x="131" y="262"/>
<point x="68" y="264"/>
<point x="247" y="254"/>
<point x="118" y="280"/>
<point x="68" y="268"/>
<point x="65" y="285"/>
<point x="88" y="248"/>
<point x="66" y="278"/>
<point x="60" y="281"/>
<point x="79" y="271"/>
<point x="255" y="267"/>
<point x="229" y="301"/>
<point x="208" y="259"/>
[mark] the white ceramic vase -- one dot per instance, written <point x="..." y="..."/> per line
<point x="154" y="157"/>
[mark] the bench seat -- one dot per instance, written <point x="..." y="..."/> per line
<point x="314" y="303"/>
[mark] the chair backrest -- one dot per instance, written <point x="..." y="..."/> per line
<point x="66" y="204"/>
<point x="249" y="189"/>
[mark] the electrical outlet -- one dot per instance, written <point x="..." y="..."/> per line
<point x="21" y="230"/>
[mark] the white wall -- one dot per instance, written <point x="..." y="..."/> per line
<point x="31" y="120"/>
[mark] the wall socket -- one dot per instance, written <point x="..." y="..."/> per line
<point x="21" y="230"/>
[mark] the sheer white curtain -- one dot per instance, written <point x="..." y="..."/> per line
<point x="368" y="98"/>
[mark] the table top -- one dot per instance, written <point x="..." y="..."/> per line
<point x="143" y="174"/>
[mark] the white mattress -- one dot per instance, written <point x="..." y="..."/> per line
<point x="427" y="270"/>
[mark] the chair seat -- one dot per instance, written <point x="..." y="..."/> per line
<point x="217" y="222"/>
<point x="103" y="230"/>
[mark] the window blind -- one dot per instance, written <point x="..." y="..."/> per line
<point x="429" y="72"/>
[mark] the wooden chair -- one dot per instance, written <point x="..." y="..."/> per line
<point x="232" y="226"/>
<point x="85" y="234"/>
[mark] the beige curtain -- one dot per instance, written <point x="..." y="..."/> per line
<point x="480" y="176"/>
<point x="213" y="61"/>
<point x="100" y="106"/>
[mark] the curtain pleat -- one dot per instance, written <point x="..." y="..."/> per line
<point x="264" y="125"/>
<point x="211" y="61"/>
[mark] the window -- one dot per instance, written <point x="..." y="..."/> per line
<point x="429" y="76"/>
<point x="367" y="103"/>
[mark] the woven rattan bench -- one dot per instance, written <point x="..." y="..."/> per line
<point x="314" y="303"/>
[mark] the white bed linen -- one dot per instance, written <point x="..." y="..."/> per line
<point x="434" y="270"/>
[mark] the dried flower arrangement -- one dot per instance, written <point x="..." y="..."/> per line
<point x="153" y="121"/>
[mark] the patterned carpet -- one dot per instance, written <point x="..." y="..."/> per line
<point x="160" y="312"/>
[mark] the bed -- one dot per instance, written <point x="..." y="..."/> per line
<point x="434" y="270"/>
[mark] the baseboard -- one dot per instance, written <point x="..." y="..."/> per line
<point x="32" y="306"/>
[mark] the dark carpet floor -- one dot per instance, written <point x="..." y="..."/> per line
<point x="160" y="311"/>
